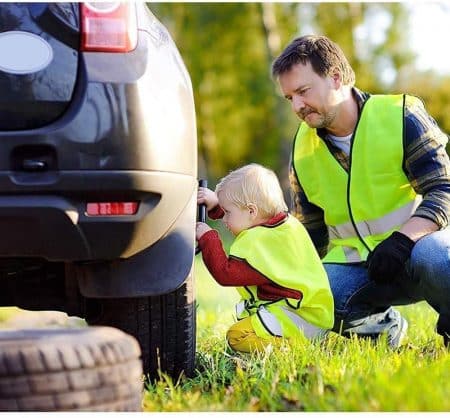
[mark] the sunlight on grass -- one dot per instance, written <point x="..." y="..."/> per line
<point x="337" y="374"/>
<point x="8" y="312"/>
<point x="215" y="303"/>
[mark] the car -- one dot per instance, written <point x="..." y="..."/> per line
<point x="98" y="173"/>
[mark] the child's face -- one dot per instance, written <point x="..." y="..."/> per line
<point x="235" y="218"/>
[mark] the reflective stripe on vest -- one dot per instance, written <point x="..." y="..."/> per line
<point x="364" y="206"/>
<point x="392" y="220"/>
<point x="286" y="256"/>
<point x="267" y="323"/>
<point x="274" y="326"/>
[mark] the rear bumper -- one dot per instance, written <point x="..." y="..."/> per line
<point x="52" y="224"/>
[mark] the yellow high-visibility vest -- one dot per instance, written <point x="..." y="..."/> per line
<point x="364" y="206"/>
<point x="285" y="254"/>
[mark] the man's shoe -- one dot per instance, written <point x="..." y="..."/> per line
<point x="389" y="323"/>
<point x="396" y="334"/>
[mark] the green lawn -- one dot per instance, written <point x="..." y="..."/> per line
<point x="336" y="375"/>
<point x="7" y="313"/>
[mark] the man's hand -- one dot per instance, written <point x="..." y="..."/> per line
<point x="388" y="259"/>
<point x="200" y="229"/>
<point x="207" y="197"/>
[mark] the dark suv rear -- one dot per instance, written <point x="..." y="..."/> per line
<point x="98" y="169"/>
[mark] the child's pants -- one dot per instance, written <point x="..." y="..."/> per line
<point x="242" y="337"/>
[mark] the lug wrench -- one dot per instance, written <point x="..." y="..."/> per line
<point x="201" y="216"/>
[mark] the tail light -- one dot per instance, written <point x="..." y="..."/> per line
<point x="111" y="208"/>
<point x="108" y="27"/>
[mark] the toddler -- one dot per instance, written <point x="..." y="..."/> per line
<point x="272" y="263"/>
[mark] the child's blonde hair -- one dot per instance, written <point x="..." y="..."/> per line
<point x="255" y="184"/>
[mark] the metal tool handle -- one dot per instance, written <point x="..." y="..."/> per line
<point x="201" y="216"/>
<point x="202" y="207"/>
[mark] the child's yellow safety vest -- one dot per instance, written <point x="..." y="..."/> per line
<point x="285" y="255"/>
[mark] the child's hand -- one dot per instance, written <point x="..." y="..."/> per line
<point x="200" y="229"/>
<point x="207" y="197"/>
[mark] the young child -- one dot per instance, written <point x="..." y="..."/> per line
<point x="273" y="264"/>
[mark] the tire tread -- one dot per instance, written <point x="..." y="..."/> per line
<point x="88" y="371"/>
<point x="164" y="326"/>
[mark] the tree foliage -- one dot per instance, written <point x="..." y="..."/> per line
<point x="228" y="49"/>
<point x="225" y="50"/>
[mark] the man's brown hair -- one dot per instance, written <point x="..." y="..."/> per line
<point x="324" y="55"/>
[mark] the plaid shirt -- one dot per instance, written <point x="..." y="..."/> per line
<point x="426" y="164"/>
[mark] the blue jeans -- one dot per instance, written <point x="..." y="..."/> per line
<point x="361" y="303"/>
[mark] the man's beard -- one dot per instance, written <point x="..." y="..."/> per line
<point x="324" y="120"/>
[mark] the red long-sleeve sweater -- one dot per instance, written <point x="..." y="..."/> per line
<point x="229" y="271"/>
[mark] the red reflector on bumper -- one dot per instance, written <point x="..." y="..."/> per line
<point x="111" y="208"/>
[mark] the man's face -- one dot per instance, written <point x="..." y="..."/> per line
<point x="313" y="98"/>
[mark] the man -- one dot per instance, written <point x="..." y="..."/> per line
<point x="371" y="183"/>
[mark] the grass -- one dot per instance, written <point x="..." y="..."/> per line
<point x="335" y="375"/>
<point x="8" y="312"/>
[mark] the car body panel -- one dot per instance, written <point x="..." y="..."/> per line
<point x="157" y="270"/>
<point x="124" y="130"/>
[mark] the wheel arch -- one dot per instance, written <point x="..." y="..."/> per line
<point x="159" y="269"/>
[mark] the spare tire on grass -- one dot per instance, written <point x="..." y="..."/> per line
<point x="77" y="369"/>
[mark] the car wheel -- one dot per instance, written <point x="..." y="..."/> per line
<point x="79" y="369"/>
<point x="164" y="325"/>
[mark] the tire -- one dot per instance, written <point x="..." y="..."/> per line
<point x="79" y="369"/>
<point x="164" y="325"/>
